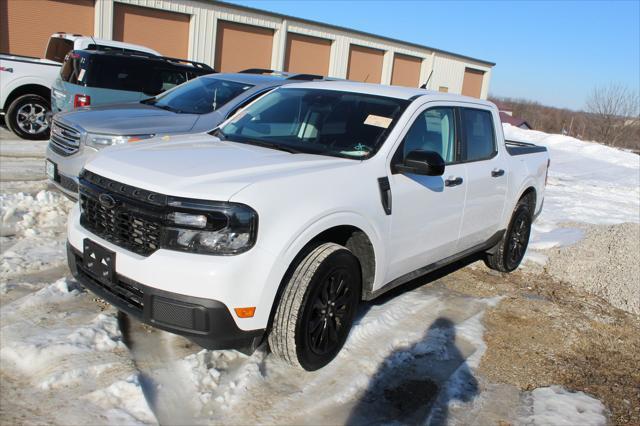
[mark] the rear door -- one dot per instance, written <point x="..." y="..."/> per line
<point x="427" y="211"/>
<point x="487" y="176"/>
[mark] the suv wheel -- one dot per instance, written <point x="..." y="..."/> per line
<point x="317" y="307"/>
<point x="507" y="255"/>
<point x="27" y="117"/>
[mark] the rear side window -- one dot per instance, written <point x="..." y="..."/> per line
<point x="58" y="48"/>
<point x="117" y="73"/>
<point x="74" y="69"/>
<point x="478" y="136"/>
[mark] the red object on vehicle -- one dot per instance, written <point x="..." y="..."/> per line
<point x="81" y="100"/>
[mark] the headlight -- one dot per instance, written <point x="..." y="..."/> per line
<point x="209" y="227"/>
<point x="100" y="141"/>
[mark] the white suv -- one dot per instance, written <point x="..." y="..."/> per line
<point x="313" y="198"/>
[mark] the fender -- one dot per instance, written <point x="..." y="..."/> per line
<point x="15" y="84"/>
<point x="528" y="183"/>
<point x="309" y="232"/>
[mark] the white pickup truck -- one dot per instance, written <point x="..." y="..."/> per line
<point x="25" y="91"/>
<point x="313" y="198"/>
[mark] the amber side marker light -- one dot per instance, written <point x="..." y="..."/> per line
<point x="245" y="312"/>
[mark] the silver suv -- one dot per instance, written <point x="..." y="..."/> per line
<point x="197" y="106"/>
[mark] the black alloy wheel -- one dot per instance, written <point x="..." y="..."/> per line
<point x="331" y="312"/>
<point x="518" y="239"/>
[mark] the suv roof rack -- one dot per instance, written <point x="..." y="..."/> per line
<point x="258" y="71"/>
<point x="285" y="74"/>
<point x="130" y="52"/>
<point x="306" y="77"/>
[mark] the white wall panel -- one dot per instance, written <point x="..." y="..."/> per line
<point x="448" y="70"/>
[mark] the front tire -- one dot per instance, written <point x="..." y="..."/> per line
<point x="27" y="117"/>
<point x="317" y="308"/>
<point x="507" y="255"/>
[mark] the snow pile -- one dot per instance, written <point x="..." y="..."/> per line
<point x="231" y="369"/>
<point x="588" y="183"/>
<point x="124" y="403"/>
<point x="557" y="406"/>
<point x="32" y="229"/>
<point x="30" y="344"/>
<point x="37" y="351"/>
<point x="27" y="215"/>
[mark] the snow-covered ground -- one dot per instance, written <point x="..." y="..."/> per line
<point x="67" y="359"/>
<point x="588" y="183"/>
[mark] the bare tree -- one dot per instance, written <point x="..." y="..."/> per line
<point x="614" y="115"/>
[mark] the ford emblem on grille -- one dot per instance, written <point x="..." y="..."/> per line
<point x="107" y="201"/>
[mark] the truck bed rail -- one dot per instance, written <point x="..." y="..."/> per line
<point x="523" y="148"/>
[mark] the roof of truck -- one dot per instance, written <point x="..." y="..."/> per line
<point x="386" y="90"/>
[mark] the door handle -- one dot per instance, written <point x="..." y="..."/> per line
<point x="453" y="181"/>
<point x="497" y="172"/>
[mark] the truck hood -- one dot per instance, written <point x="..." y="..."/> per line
<point x="202" y="166"/>
<point x="129" y="119"/>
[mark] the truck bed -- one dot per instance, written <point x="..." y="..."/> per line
<point x="522" y="148"/>
<point x="29" y="60"/>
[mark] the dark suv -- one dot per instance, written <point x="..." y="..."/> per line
<point x="98" y="77"/>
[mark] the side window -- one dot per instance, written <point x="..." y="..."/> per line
<point x="433" y="130"/>
<point x="478" y="136"/>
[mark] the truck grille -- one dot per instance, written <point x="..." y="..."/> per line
<point x="64" y="140"/>
<point x="123" y="221"/>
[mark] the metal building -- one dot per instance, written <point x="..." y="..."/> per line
<point x="231" y="37"/>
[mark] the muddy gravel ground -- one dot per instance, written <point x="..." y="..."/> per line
<point x="606" y="263"/>
<point x="547" y="332"/>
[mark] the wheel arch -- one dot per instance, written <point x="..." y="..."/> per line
<point x="27" y="89"/>
<point x="530" y="193"/>
<point x="360" y="239"/>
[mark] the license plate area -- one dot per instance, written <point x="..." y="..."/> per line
<point x="51" y="169"/>
<point x="98" y="261"/>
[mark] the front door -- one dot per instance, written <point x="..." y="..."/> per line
<point x="427" y="211"/>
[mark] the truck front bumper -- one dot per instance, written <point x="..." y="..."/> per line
<point x="206" y="322"/>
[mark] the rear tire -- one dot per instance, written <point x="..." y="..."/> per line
<point x="507" y="255"/>
<point x="317" y="307"/>
<point x="26" y="117"/>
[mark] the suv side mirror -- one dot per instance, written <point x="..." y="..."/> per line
<point x="420" y="162"/>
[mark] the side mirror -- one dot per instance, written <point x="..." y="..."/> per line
<point x="420" y="162"/>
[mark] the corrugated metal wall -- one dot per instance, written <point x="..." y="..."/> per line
<point x="25" y="26"/>
<point x="448" y="70"/>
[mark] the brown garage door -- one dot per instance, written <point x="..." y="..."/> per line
<point x="239" y="47"/>
<point x="472" y="83"/>
<point x="365" y="64"/>
<point x="166" y="32"/>
<point x="406" y="70"/>
<point x="25" y="26"/>
<point x="307" y="54"/>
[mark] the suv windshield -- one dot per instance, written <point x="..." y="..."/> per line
<point x="326" y="122"/>
<point x="200" y="96"/>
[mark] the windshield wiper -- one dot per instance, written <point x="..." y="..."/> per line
<point x="167" y="108"/>
<point x="218" y="134"/>
<point x="279" y="147"/>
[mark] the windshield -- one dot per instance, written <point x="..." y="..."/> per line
<point x="327" y="122"/>
<point x="200" y="96"/>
